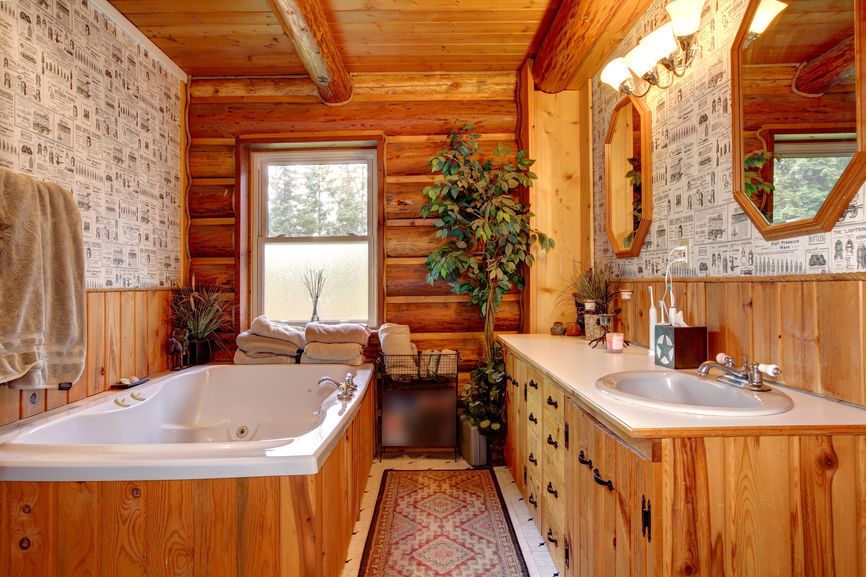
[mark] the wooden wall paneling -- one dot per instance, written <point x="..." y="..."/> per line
<point x="127" y="335"/>
<point x="738" y="325"/>
<point x="300" y="547"/>
<point x="10" y="405"/>
<point x="141" y="322"/>
<point x="412" y="157"/>
<point x="766" y="323"/>
<point x="218" y="271"/>
<point x="258" y="510"/>
<point x="410" y="241"/>
<point x="716" y="315"/>
<point x="608" y="470"/>
<point x="211" y="200"/>
<point x="54" y="398"/>
<point x="451" y="316"/>
<point x="841" y="340"/>
<point x="32" y="403"/>
<point x="31" y="521"/>
<point x="112" y="338"/>
<point x="164" y="301"/>
<point x="170" y="528"/>
<point x="79" y="529"/>
<point x="216" y="527"/>
<point x="211" y="240"/>
<point x="155" y="347"/>
<point x="96" y="343"/>
<point x="408" y="277"/>
<point x="79" y="387"/>
<point x="243" y="239"/>
<point x="124" y="506"/>
<point x="211" y="162"/>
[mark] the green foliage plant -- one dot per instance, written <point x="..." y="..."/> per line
<point x="754" y="185"/>
<point x="201" y="310"/>
<point x="637" y="207"/>
<point x="599" y="284"/>
<point x="488" y="238"/>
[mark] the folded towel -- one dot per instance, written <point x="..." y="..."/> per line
<point x="333" y="352"/>
<point x="264" y="328"/>
<point x="252" y="343"/>
<point x="305" y="360"/>
<point x="447" y="363"/>
<point x="433" y="365"/>
<point x="242" y="358"/>
<point x="43" y="330"/>
<point x="395" y="339"/>
<point x="342" y="333"/>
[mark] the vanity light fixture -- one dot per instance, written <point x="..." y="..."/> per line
<point x="767" y="11"/>
<point x="674" y="46"/>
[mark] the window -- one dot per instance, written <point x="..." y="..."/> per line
<point x="314" y="210"/>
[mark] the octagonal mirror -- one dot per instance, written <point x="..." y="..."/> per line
<point x="797" y="122"/>
<point x="628" y="177"/>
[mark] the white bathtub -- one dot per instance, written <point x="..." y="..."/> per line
<point x="187" y="427"/>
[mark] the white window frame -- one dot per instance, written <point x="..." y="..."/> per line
<point x="314" y="153"/>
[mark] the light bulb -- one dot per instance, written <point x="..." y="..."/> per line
<point x="685" y="16"/>
<point x="615" y="73"/>
<point x="660" y="43"/>
<point x="639" y="60"/>
<point x="767" y="10"/>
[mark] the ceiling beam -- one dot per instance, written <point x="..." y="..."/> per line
<point x="572" y="36"/>
<point x="304" y="23"/>
<point x="827" y="70"/>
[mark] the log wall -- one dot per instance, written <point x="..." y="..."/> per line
<point x="126" y="335"/>
<point x="414" y="112"/>
<point x="814" y="330"/>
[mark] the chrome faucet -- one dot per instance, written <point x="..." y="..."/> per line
<point x="749" y="376"/>
<point x="344" y="390"/>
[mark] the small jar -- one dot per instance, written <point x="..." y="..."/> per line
<point x="573" y="330"/>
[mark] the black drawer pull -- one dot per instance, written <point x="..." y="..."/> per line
<point x="583" y="461"/>
<point x="552" y="403"/>
<point x="532" y="501"/>
<point x="551" y="539"/>
<point x="550" y="441"/>
<point x="532" y="459"/>
<point x="552" y="491"/>
<point x="533" y="418"/>
<point x="516" y="384"/>
<point x="608" y="483"/>
<point x="533" y="384"/>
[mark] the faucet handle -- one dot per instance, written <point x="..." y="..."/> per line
<point x="724" y="359"/>
<point x="745" y="363"/>
<point x="770" y="370"/>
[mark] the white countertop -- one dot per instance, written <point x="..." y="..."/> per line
<point x="576" y="365"/>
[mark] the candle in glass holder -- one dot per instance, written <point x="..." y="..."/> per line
<point x="589" y="306"/>
<point x="614" y="342"/>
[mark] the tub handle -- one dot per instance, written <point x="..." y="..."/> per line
<point x="121" y="402"/>
<point x="137" y="397"/>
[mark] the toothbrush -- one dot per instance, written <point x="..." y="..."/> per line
<point x="653" y="321"/>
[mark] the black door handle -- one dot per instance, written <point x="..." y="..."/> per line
<point x="532" y="501"/>
<point x="583" y="461"/>
<point x="552" y="403"/>
<point x="533" y="384"/>
<point x="608" y="483"/>
<point x="550" y="441"/>
<point x="552" y="491"/>
<point x="533" y="418"/>
<point x="550" y="537"/>
<point x="532" y="459"/>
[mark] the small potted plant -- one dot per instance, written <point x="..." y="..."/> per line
<point x="597" y="284"/>
<point x="202" y="311"/>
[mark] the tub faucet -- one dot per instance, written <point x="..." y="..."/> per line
<point x="749" y="376"/>
<point x="344" y="393"/>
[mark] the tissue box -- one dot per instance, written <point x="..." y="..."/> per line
<point x="680" y="347"/>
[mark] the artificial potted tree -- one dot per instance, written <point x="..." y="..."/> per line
<point x="201" y="311"/>
<point x="488" y="239"/>
<point x="599" y="285"/>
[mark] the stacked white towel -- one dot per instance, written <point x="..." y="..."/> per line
<point x="268" y="343"/>
<point x="436" y="363"/>
<point x="341" y="344"/>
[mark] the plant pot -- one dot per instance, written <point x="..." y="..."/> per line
<point x="473" y="445"/>
<point x="591" y="327"/>
<point x="496" y="451"/>
<point x="200" y="352"/>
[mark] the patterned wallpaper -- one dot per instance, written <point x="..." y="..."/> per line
<point x="692" y="167"/>
<point x="84" y="105"/>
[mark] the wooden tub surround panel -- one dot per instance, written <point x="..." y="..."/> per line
<point x="275" y="526"/>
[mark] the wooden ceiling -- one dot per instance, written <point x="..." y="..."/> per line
<point x="229" y="37"/>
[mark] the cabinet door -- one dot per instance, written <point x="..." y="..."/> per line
<point x="515" y="435"/>
<point x="608" y="484"/>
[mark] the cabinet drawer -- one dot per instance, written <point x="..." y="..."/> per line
<point x="534" y="416"/>
<point x="553" y="488"/>
<point x="534" y="499"/>
<point x="553" y="400"/>
<point x="534" y="454"/>
<point x="555" y="539"/>
<point x="534" y="384"/>
<point x="552" y="442"/>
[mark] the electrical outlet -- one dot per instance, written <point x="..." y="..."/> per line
<point x="687" y="254"/>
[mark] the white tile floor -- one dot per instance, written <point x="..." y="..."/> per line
<point x="538" y="559"/>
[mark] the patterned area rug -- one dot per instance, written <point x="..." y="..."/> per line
<point x="441" y="523"/>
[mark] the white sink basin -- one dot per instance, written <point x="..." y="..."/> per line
<point x="683" y="392"/>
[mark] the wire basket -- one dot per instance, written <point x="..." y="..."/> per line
<point x="423" y="370"/>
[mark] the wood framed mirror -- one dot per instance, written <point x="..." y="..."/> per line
<point x="799" y="113"/>
<point x="628" y="202"/>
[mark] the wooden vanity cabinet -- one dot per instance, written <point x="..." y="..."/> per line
<point x="515" y="416"/>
